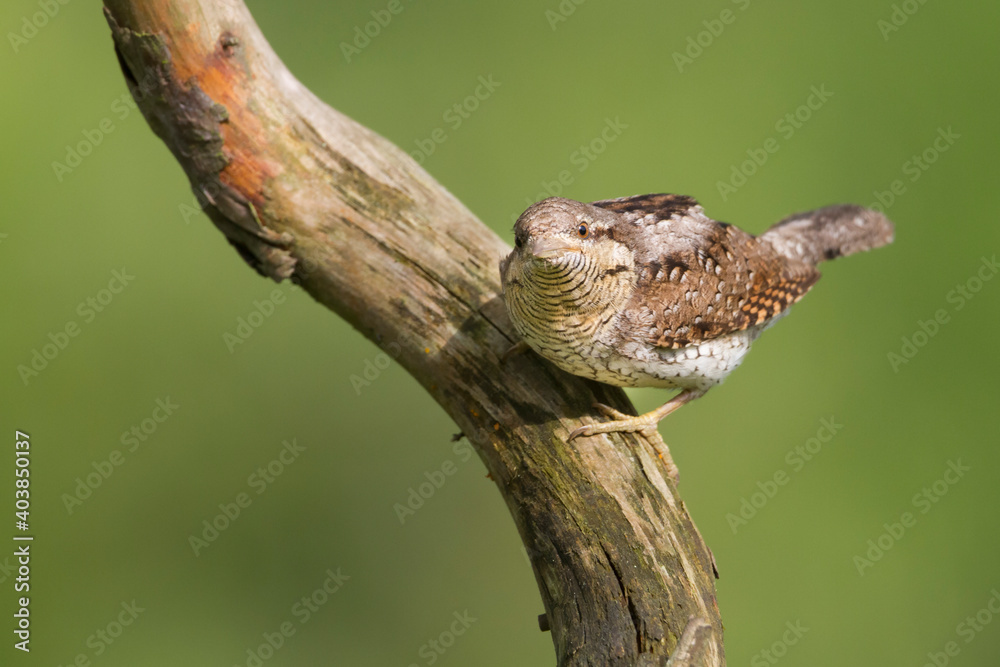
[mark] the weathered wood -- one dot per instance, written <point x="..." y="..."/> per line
<point x="305" y="193"/>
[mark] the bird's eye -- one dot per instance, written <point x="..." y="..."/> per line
<point x="583" y="230"/>
<point x="518" y="242"/>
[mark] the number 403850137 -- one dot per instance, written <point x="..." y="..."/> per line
<point x="22" y="448"/>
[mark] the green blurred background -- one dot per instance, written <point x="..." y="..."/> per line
<point x="888" y="96"/>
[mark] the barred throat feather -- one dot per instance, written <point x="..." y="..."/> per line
<point x="570" y="303"/>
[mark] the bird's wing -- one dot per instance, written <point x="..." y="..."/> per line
<point x="660" y="205"/>
<point x="698" y="278"/>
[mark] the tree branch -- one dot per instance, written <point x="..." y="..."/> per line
<point x="305" y="193"/>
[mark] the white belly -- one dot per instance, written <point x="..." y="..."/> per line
<point x="638" y="365"/>
<point x="694" y="367"/>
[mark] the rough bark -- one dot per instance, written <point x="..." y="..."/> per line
<point x="306" y="194"/>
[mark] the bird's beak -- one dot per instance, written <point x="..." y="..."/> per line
<point x="548" y="248"/>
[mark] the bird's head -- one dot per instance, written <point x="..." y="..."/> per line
<point x="568" y="256"/>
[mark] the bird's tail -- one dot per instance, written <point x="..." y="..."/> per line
<point x="829" y="232"/>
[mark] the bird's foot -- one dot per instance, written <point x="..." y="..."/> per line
<point x="630" y="423"/>
<point x="644" y="424"/>
<point x="660" y="447"/>
<point x="609" y="411"/>
<point x="622" y="423"/>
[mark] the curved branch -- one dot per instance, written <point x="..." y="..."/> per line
<point x="305" y="193"/>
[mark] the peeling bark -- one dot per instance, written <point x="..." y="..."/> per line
<point x="306" y="194"/>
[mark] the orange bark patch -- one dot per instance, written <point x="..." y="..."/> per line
<point x="214" y="63"/>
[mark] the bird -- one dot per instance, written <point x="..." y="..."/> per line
<point x="648" y="291"/>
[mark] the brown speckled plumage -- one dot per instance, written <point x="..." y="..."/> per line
<point x="649" y="291"/>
